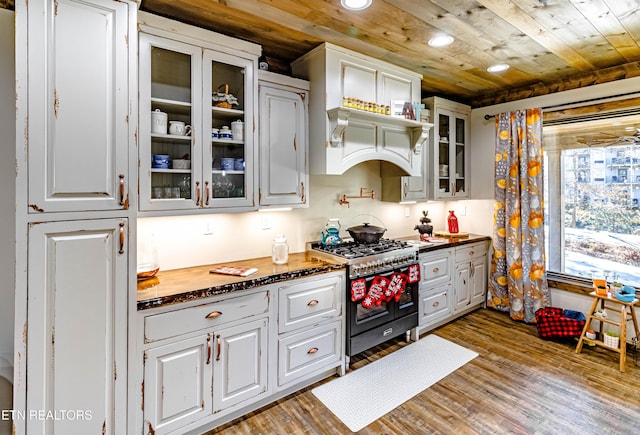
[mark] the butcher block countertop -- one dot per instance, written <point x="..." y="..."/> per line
<point x="182" y="285"/>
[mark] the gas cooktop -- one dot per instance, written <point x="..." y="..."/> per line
<point x="351" y="250"/>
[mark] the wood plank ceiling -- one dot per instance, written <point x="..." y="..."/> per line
<point x="551" y="45"/>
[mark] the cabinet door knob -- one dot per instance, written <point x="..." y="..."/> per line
<point x="436" y="303"/>
<point x="214" y="314"/>
<point x="312" y="303"/>
<point x="436" y="269"/>
<point x="312" y="350"/>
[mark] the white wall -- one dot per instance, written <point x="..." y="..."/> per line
<point x="7" y="215"/>
<point x="181" y="242"/>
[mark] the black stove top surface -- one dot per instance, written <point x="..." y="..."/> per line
<point x="358" y="250"/>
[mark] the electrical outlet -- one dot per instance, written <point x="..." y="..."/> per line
<point x="462" y="211"/>
<point x="407" y="212"/>
<point x="266" y="223"/>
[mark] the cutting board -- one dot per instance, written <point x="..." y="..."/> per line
<point x="442" y="233"/>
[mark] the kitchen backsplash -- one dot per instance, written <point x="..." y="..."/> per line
<point x="186" y="241"/>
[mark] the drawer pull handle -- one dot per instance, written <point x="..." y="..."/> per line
<point x="121" y="250"/>
<point x="218" y="340"/>
<point x="312" y="350"/>
<point x="313" y="302"/>
<point x="208" y="348"/>
<point x="214" y="315"/>
<point x="436" y="269"/>
<point x="436" y="303"/>
<point x="471" y="253"/>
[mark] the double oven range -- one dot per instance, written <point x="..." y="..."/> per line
<point x="382" y="290"/>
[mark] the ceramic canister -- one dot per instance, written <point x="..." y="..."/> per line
<point x="158" y="122"/>
<point x="237" y="129"/>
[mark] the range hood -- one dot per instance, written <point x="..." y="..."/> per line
<point x="341" y="137"/>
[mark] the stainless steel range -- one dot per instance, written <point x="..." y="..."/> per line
<point x="382" y="290"/>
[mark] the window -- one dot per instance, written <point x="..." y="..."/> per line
<point x="592" y="191"/>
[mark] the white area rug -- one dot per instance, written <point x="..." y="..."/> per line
<point x="368" y="393"/>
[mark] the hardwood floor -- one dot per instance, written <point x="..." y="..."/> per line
<point x="519" y="384"/>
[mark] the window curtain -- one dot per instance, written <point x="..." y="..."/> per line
<point x="517" y="282"/>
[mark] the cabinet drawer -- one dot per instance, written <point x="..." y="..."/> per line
<point x="434" y="306"/>
<point x="436" y="268"/>
<point x="165" y="325"/>
<point x="465" y="253"/>
<point x="309" y="351"/>
<point x="309" y="301"/>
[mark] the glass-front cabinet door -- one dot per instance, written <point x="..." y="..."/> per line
<point x="170" y="113"/>
<point x="451" y="152"/>
<point x="228" y="130"/>
<point x="196" y="127"/>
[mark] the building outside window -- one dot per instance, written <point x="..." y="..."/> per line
<point x="592" y="191"/>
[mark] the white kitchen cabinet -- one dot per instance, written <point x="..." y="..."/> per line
<point x="177" y="383"/>
<point x="200" y="361"/>
<point x="310" y="327"/>
<point x="183" y="73"/>
<point x="397" y="187"/>
<point x="240" y="364"/>
<point x="453" y="282"/>
<point x="471" y="276"/>
<point x="341" y="137"/>
<point x="77" y="325"/>
<point x="78" y="105"/>
<point x="283" y="139"/>
<point x="449" y="148"/>
<point x="76" y="124"/>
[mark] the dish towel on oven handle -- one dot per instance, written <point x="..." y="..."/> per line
<point x="375" y="295"/>
<point x="413" y="273"/>
<point x="358" y="289"/>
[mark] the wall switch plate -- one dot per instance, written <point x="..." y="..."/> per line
<point x="462" y="211"/>
<point x="266" y="223"/>
<point x="407" y="212"/>
<point x="208" y="228"/>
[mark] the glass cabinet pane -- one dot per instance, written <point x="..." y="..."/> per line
<point x="444" y="130"/>
<point x="228" y="136"/>
<point x="171" y="120"/>
<point x="460" y="154"/>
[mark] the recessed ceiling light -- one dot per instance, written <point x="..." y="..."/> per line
<point x="356" y="5"/>
<point x="440" y="41"/>
<point x="499" y="67"/>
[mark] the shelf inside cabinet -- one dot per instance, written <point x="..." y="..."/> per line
<point x="171" y="171"/>
<point x="170" y="137"/>
<point x="230" y="113"/>
<point x="171" y="106"/>
<point x="226" y="172"/>
<point x="227" y="141"/>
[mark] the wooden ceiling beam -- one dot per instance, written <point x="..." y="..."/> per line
<point x="577" y="81"/>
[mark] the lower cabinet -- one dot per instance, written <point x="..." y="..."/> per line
<point x="453" y="282"/>
<point x="197" y="374"/>
<point x="471" y="276"/>
<point x="203" y="365"/>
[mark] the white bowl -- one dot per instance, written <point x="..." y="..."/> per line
<point x="181" y="164"/>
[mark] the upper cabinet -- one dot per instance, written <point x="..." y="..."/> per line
<point x="284" y="143"/>
<point x="198" y="103"/>
<point x="449" y="154"/>
<point x="341" y="136"/>
<point x="78" y="106"/>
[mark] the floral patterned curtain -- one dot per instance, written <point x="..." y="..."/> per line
<point x="517" y="282"/>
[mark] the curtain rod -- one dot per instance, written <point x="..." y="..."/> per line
<point x="580" y="103"/>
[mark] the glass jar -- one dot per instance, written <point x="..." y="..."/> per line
<point x="280" y="250"/>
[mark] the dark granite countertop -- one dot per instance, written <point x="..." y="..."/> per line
<point x="191" y="283"/>
<point x="444" y="242"/>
